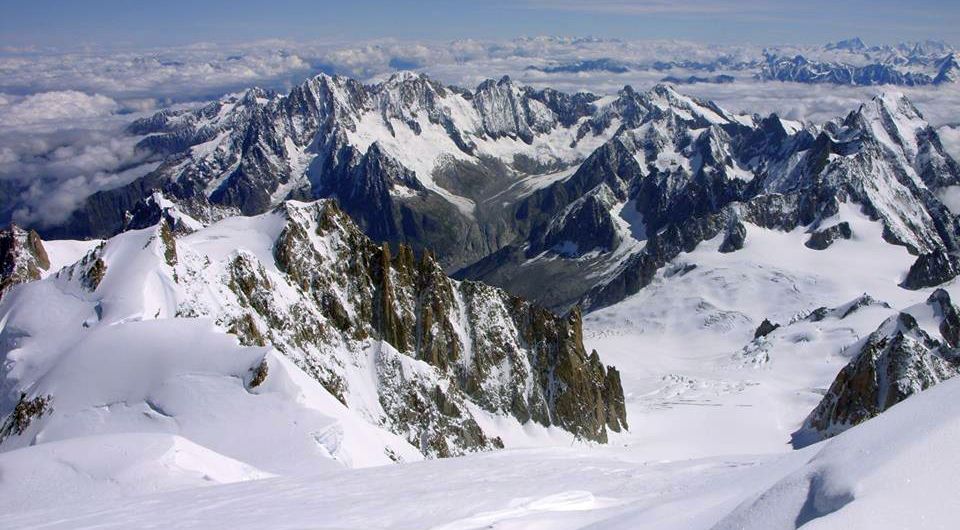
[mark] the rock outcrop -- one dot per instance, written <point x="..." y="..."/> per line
<point x="822" y="239"/>
<point x="383" y="329"/>
<point x="896" y="361"/>
<point x="505" y="354"/>
<point x="765" y="328"/>
<point x="932" y="269"/>
<point x="22" y="257"/>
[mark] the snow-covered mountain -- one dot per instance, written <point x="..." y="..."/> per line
<point x="279" y="281"/>
<point x="592" y="193"/>
<point x="799" y="69"/>
<point x="852" y="62"/>
<point x="330" y="332"/>
<point x="399" y="156"/>
<point x="691" y="171"/>
<point x="907" y="354"/>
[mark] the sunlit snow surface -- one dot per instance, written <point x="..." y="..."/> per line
<point x="711" y="414"/>
<point x="896" y="471"/>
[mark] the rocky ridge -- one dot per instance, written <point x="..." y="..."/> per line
<point x="431" y="359"/>
<point x="684" y="176"/>
<point x="22" y="257"/>
<point x="910" y="352"/>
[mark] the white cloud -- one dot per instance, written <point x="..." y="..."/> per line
<point x="60" y="106"/>
<point x="57" y="148"/>
<point x="950" y="136"/>
<point x="206" y="70"/>
<point x="175" y="73"/>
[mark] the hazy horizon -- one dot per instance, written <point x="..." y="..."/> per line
<point x="116" y="24"/>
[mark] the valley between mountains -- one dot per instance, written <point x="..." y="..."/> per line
<point x="413" y="305"/>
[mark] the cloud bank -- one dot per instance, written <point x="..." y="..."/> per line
<point x="57" y="148"/>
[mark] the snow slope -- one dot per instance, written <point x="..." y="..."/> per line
<point x="851" y="481"/>
<point x="111" y="466"/>
<point x="218" y="342"/>
<point x="711" y="408"/>
<point x="176" y="400"/>
<point x="691" y="376"/>
<point x="895" y="472"/>
<point x="184" y="377"/>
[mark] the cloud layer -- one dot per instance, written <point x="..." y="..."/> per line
<point x="47" y="107"/>
<point x="56" y="148"/>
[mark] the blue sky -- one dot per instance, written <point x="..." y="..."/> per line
<point x="123" y="23"/>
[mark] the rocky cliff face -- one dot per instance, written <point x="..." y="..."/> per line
<point x="434" y="360"/>
<point x="22" y="257"/>
<point x="503" y="353"/>
<point x="898" y="360"/>
<point x="932" y="269"/>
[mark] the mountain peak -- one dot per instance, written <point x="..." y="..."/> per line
<point x="949" y="69"/>
<point x="854" y="44"/>
<point x="892" y="111"/>
<point x="407" y="77"/>
<point x="665" y="89"/>
<point x="896" y="102"/>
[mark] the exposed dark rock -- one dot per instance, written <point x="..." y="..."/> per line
<point x="585" y="226"/>
<point x="821" y="239"/>
<point x="24" y="412"/>
<point x="259" y="375"/>
<point x="355" y="290"/>
<point x="949" y="316"/>
<point x="22" y="257"/>
<point x="898" y="360"/>
<point x="95" y="273"/>
<point x="640" y="269"/>
<point x="864" y="300"/>
<point x="735" y="237"/>
<point x="818" y="314"/>
<point x="169" y="243"/>
<point x="765" y="328"/>
<point x="680" y="269"/>
<point x="246" y="331"/>
<point x="695" y="79"/>
<point x="932" y="269"/>
<point x="588" y="65"/>
<point x="614" y="400"/>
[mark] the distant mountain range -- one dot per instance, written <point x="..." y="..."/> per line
<point x="846" y="62"/>
<point x="505" y="176"/>
<point x="895" y="69"/>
